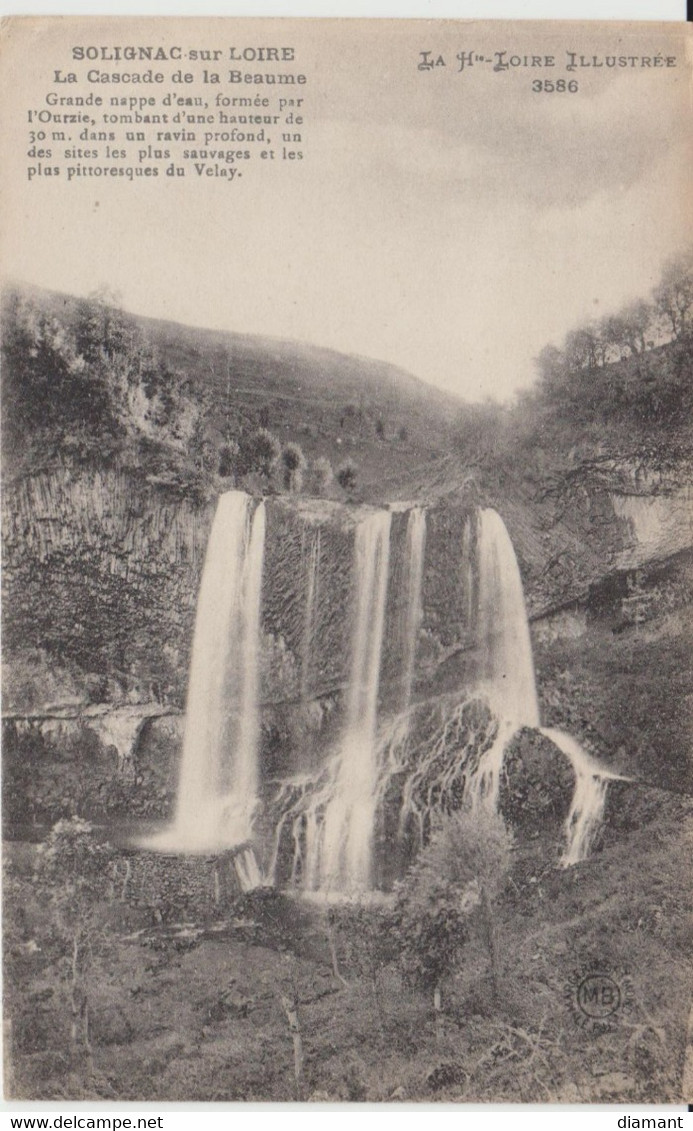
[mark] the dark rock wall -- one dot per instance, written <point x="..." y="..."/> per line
<point x="618" y="673"/>
<point x="446" y="577"/>
<point x="298" y="664"/>
<point x="101" y="575"/>
<point x="64" y="768"/>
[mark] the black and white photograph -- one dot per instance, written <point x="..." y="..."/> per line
<point x="347" y="561"/>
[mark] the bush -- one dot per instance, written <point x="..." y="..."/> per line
<point x="74" y="879"/>
<point x="260" y="452"/>
<point x="320" y="476"/>
<point x="346" y="475"/>
<point x="455" y="880"/>
<point x="228" y="459"/>
<point x="294" y="463"/>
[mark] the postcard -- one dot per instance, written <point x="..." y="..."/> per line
<point x="347" y="558"/>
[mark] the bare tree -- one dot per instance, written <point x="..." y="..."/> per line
<point x="673" y="296"/>
<point x="629" y="330"/>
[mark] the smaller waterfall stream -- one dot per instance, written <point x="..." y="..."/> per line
<point x="412" y="608"/>
<point x="331" y="814"/>
<point x="348" y="818"/>
<point x="506" y="676"/>
<point x="587" y="808"/>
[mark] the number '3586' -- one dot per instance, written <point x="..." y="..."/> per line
<point x="554" y="86"/>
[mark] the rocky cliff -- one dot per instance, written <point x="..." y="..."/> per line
<point x="101" y="576"/>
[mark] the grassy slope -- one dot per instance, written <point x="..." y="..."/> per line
<point x="182" y="1018"/>
<point x="328" y="402"/>
<point x="307" y="393"/>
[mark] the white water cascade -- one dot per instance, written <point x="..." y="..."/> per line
<point x="330" y="815"/>
<point x="506" y="676"/>
<point x="332" y="819"/>
<point x="348" y="820"/>
<point x="587" y="808"/>
<point x="412" y="608"/>
<point x="218" y="783"/>
<point x="505" y="665"/>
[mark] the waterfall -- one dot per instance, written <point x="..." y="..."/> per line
<point x="505" y="662"/>
<point x="587" y="808"/>
<point x="348" y="819"/>
<point x="506" y="675"/>
<point x="218" y="783"/>
<point x="506" y="665"/>
<point x="468" y="571"/>
<point x="412" y="609"/>
<point x="332" y="816"/>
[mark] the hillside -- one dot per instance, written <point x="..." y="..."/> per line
<point x="190" y="412"/>
<point x="220" y="388"/>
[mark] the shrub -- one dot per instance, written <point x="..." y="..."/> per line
<point x="454" y="881"/>
<point x="321" y="476"/>
<point x="74" y="876"/>
<point x="347" y="474"/>
<point x="228" y="459"/>
<point x="260" y="451"/>
<point x="294" y="463"/>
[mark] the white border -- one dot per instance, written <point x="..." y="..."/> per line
<point x="178" y="1117"/>
<point x="415" y="9"/>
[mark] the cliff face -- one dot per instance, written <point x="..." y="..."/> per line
<point x="621" y="518"/>
<point x="101" y="578"/>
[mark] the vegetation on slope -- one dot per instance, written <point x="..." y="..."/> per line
<point x="195" y="411"/>
<point x="620" y="388"/>
<point x="114" y="998"/>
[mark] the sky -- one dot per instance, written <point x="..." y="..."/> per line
<point x="449" y="222"/>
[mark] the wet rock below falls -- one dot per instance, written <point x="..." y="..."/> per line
<point x="536" y="787"/>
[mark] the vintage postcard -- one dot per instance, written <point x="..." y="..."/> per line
<point x="347" y="559"/>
